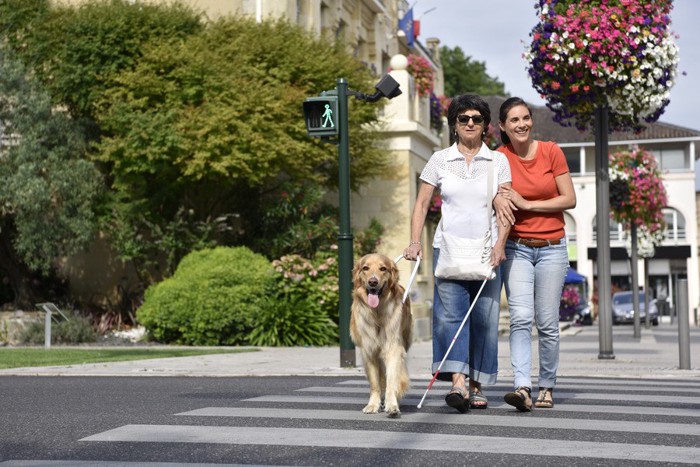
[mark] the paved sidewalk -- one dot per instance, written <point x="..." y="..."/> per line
<point x="655" y="355"/>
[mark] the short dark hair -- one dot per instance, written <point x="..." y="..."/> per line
<point x="468" y="102"/>
<point x="503" y="113"/>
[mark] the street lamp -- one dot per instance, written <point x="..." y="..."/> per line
<point x="321" y="120"/>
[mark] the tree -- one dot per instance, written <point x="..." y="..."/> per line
<point x="195" y="125"/>
<point x="462" y="75"/>
<point x="46" y="190"/>
<point x="76" y="52"/>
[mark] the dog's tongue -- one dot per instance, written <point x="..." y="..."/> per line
<point x="373" y="300"/>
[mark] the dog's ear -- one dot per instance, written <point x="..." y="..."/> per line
<point x="394" y="278"/>
<point x="356" y="272"/>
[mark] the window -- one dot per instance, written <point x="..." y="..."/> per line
<point x="675" y="225"/>
<point x="573" y="159"/>
<point x="617" y="232"/>
<point x="671" y="159"/>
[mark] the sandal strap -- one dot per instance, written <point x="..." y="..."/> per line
<point x="543" y="395"/>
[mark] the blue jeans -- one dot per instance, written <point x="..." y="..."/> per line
<point x="534" y="278"/>
<point x="475" y="352"/>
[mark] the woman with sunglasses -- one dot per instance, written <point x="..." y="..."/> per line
<point x="536" y="253"/>
<point x="460" y="172"/>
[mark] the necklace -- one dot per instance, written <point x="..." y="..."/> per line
<point x="469" y="153"/>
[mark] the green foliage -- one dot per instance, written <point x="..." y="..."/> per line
<point x="366" y="241"/>
<point x="46" y="190"/>
<point x="464" y="75"/>
<point x="296" y="220"/>
<point x="78" y="329"/>
<point x="212" y="299"/>
<point x="293" y="322"/>
<point x="77" y="51"/>
<point x="310" y="284"/>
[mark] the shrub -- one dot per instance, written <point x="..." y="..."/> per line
<point x="212" y="299"/>
<point x="309" y="284"/>
<point x="293" y="321"/>
<point x="78" y="329"/>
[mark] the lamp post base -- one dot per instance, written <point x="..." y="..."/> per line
<point x="347" y="358"/>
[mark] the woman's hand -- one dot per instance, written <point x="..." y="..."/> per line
<point x="504" y="209"/>
<point x="513" y="197"/>
<point x="413" y="251"/>
<point x="498" y="255"/>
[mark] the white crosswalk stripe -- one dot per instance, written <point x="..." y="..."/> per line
<point x="603" y="413"/>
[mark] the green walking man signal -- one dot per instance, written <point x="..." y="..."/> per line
<point x="320" y="114"/>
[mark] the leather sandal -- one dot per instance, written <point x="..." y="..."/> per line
<point x="520" y="399"/>
<point x="477" y="399"/>
<point x="458" y="398"/>
<point x="545" y="400"/>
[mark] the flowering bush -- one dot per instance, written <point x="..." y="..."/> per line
<point x="637" y="192"/>
<point x="435" y="208"/>
<point x="435" y="113"/>
<point x="618" y="53"/>
<point x="313" y="283"/>
<point x="423" y="75"/>
<point x="570" y="299"/>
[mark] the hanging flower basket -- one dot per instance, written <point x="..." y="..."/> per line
<point x="637" y="192"/>
<point x="423" y="74"/>
<point x="615" y="53"/>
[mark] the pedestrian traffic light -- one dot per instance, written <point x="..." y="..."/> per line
<point x="321" y="115"/>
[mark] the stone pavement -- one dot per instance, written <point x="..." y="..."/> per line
<point x="654" y="355"/>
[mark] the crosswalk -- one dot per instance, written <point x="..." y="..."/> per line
<point x="601" y="420"/>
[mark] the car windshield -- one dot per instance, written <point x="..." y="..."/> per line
<point x="621" y="299"/>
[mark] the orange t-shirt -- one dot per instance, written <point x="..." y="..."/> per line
<point x="534" y="180"/>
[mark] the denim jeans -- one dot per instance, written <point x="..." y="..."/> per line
<point x="475" y="352"/>
<point x="534" y="278"/>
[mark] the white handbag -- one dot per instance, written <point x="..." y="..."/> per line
<point x="467" y="258"/>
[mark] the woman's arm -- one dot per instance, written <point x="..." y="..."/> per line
<point x="420" y="210"/>
<point x="565" y="200"/>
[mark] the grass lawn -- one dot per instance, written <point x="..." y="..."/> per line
<point x="20" y="357"/>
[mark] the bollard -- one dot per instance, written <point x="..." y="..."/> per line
<point x="683" y="324"/>
<point x="47" y="329"/>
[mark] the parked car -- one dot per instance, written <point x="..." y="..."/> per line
<point x="622" y="311"/>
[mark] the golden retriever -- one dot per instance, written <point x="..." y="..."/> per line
<point x="381" y="326"/>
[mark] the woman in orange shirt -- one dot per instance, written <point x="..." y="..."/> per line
<point x="536" y="254"/>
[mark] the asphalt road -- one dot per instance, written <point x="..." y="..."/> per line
<point x="313" y="421"/>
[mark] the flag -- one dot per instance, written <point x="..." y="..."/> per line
<point x="406" y="25"/>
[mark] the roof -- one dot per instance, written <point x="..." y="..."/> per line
<point x="547" y="129"/>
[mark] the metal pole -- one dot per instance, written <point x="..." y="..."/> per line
<point x="602" y="183"/>
<point x="683" y="324"/>
<point x="647" y="294"/>
<point x="47" y="329"/>
<point x="347" y="348"/>
<point x="635" y="283"/>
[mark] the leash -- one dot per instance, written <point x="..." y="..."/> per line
<point x="413" y="275"/>
<point x="454" y="339"/>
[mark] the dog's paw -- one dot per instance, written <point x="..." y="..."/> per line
<point x="393" y="412"/>
<point x="371" y="408"/>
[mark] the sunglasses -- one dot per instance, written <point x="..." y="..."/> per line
<point x="464" y="119"/>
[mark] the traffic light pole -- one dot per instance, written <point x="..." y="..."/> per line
<point x="347" y="348"/>
<point x="319" y="113"/>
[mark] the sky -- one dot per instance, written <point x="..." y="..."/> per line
<point x="496" y="32"/>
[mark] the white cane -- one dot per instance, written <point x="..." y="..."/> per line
<point x="454" y="339"/>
